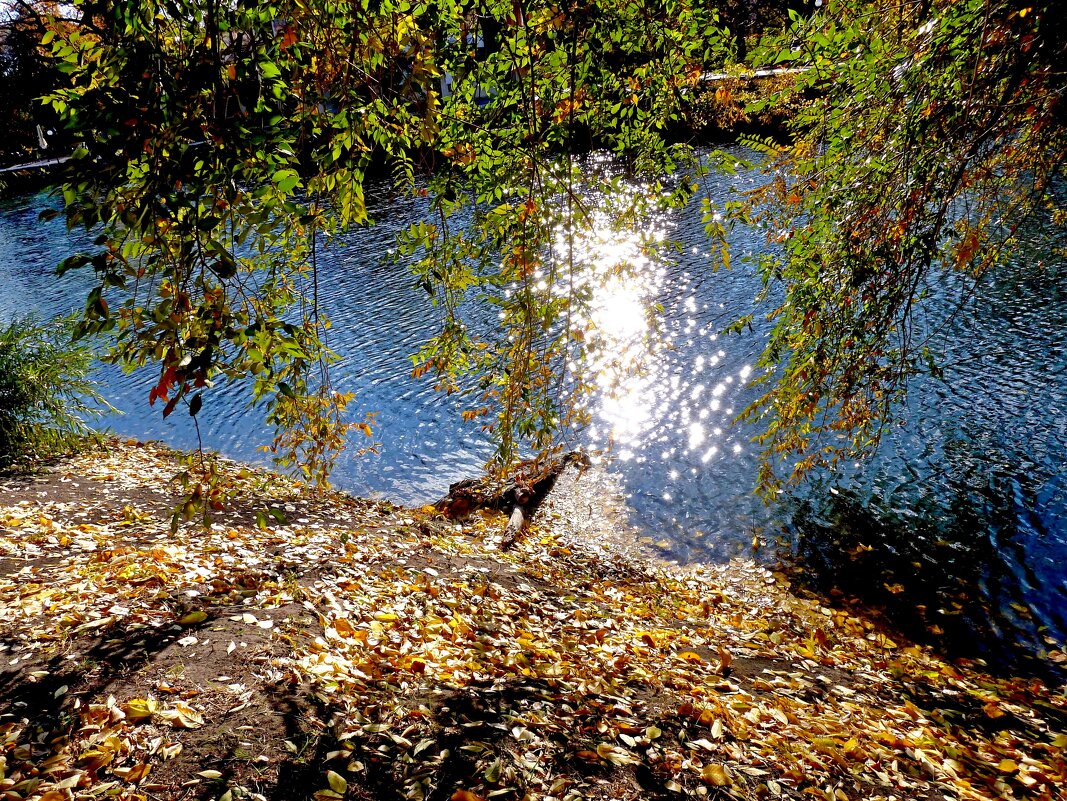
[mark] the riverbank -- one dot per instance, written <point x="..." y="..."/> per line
<point x="338" y="647"/>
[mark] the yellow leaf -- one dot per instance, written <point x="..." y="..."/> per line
<point x="417" y="665"/>
<point x="1008" y="766"/>
<point x="95" y="759"/>
<point x="336" y="781"/>
<point x="853" y="749"/>
<point x="715" y="775"/>
<point x="134" y="774"/>
<point x="199" y="616"/>
<point x="140" y="708"/>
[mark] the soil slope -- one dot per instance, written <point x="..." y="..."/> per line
<point x="332" y="647"/>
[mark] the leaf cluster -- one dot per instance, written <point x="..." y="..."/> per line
<point x="223" y="144"/>
<point x="938" y="131"/>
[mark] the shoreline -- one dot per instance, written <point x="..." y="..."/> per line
<point x="356" y="649"/>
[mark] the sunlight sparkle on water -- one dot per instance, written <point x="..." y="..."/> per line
<point x="643" y="394"/>
<point x="622" y="281"/>
<point x="696" y="435"/>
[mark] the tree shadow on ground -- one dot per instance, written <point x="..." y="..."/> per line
<point x="248" y="748"/>
<point x="33" y="689"/>
<point x="475" y="735"/>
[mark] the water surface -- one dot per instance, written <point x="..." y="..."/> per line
<point x="958" y="525"/>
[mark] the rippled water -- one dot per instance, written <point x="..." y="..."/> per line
<point x="959" y="524"/>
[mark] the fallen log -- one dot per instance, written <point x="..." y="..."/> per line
<point x="517" y="494"/>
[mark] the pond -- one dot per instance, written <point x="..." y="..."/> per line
<point x="957" y="527"/>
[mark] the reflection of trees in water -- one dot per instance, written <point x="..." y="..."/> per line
<point x="958" y="525"/>
<point x="948" y="557"/>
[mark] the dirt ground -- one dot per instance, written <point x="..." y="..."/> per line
<point x="328" y="647"/>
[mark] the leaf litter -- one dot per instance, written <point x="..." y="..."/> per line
<point x="352" y="649"/>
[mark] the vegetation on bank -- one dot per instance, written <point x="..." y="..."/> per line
<point x="352" y="649"/>
<point x="46" y="390"/>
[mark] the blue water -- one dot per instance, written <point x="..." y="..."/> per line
<point x="963" y="512"/>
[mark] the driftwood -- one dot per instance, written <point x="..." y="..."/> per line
<point x="517" y="521"/>
<point x="518" y="494"/>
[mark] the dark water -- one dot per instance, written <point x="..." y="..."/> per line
<point x="958" y="526"/>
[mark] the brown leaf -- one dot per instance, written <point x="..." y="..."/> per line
<point x="715" y="775"/>
<point x="725" y="660"/>
<point x="466" y="795"/>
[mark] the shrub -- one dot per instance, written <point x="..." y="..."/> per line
<point x="45" y="390"/>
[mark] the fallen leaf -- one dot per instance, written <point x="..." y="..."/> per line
<point x="140" y="708"/>
<point x="181" y="715"/>
<point x="616" y="755"/>
<point x="337" y="782"/>
<point x="715" y="775"/>
<point x="725" y="660"/>
<point x="466" y="795"/>
<point x="344" y="627"/>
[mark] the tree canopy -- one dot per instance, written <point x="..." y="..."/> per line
<point x="221" y="144"/>
<point x="26" y="73"/>
<point x="938" y="131"/>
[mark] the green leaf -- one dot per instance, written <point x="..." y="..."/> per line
<point x="73" y="263"/>
<point x="286" y="180"/>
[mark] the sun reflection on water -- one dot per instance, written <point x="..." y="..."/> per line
<point x="645" y="396"/>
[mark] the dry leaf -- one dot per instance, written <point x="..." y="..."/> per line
<point x="140" y="708"/>
<point x="466" y="795"/>
<point x="715" y="775"/>
<point x="725" y="660"/>
<point x="181" y="715"/>
<point x="336" y="781"/>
